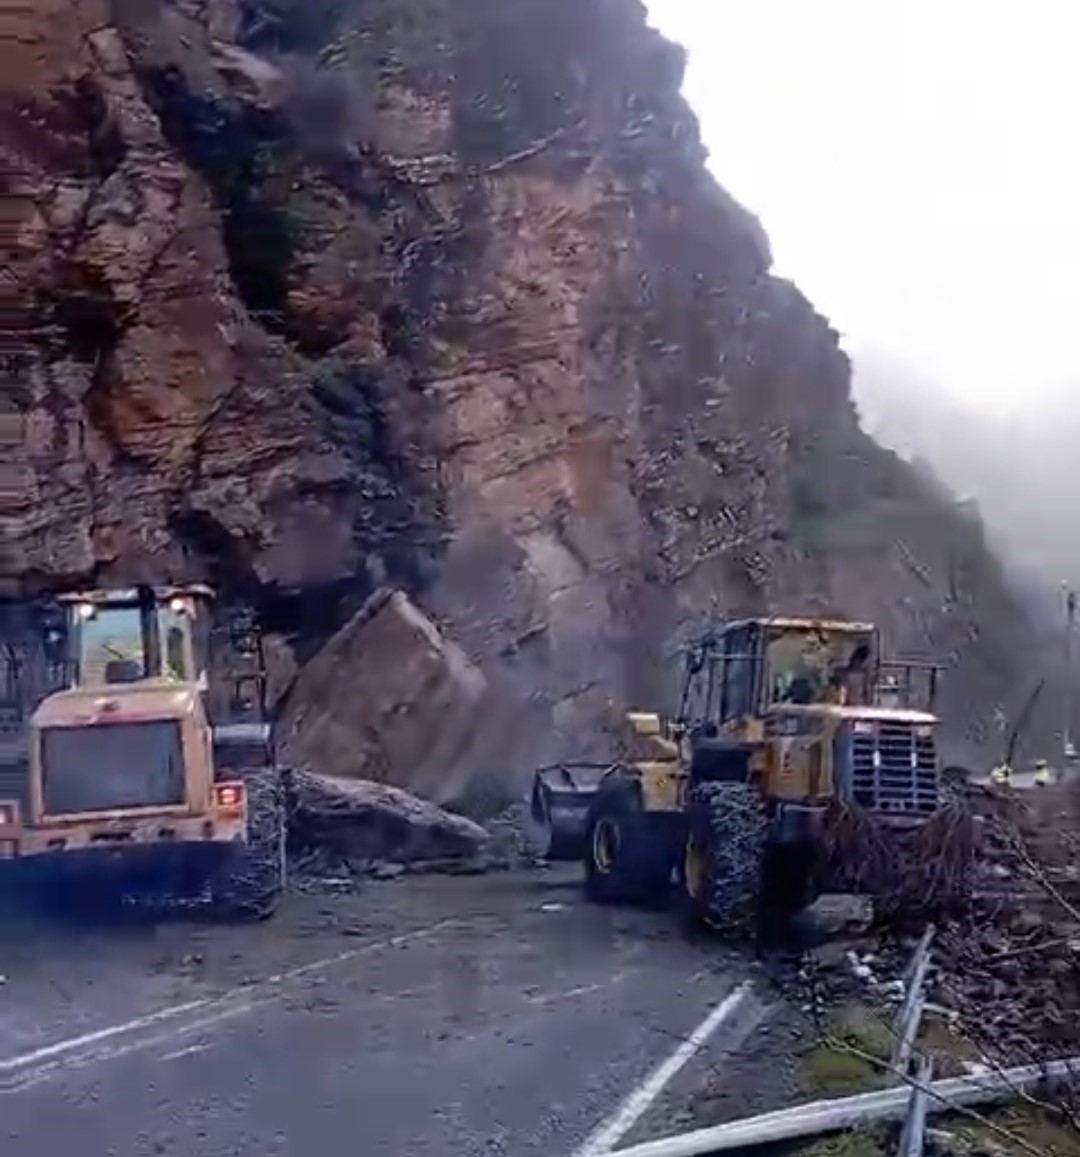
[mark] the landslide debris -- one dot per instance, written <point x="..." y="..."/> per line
<point x="1003" y="984"/>
<point x="344" y="828"/>
<point x="317" y="298"/>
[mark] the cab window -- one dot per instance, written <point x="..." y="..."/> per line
<point x="175" y="645"/>
<point x="740" y="668"/>
<point x="111" y="645"/>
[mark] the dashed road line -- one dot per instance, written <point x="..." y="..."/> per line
<point x="168" y="1025"/>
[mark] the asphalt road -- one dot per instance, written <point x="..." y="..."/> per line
<point x="498" y="1015"/>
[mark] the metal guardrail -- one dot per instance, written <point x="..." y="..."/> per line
<point x="909" y="1103"/>
<point x="913" y="1133"/>
<point x="911" y="1009"/>
<point x="834" y="1116"/>
<point x="908" y="1021"/>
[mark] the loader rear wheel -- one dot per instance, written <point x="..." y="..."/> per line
<point x="723" y="856"/>
<point x="628" y="853"/>
<point x="252" y="882"/>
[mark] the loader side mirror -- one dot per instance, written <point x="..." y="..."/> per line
<point x="645" y="723"/>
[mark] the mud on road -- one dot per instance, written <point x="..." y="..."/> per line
<point x="426" y="1015"/>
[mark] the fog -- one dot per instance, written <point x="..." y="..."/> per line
<point x="1021" y="470"/>
<point x="912" y="167"/>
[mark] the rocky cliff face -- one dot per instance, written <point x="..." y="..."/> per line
<point x="320" y="296"/>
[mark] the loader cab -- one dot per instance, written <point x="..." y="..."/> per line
<point x="168" y="636"/>
<point x="820" y="713"/>
<point x="163" y="667"/>
<point x="755" y="667"/>
<point x="119" y="638"/>
<point x="800" y="705"/>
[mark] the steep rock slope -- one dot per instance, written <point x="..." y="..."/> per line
<point x="319" y="297"/>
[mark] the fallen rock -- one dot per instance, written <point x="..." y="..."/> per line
<point x="348" y="824"/>
<point x="404" y="714"/>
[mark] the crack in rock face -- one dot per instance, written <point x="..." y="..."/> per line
<point x="325" y="298"/>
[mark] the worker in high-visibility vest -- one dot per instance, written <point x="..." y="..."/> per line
<point x="1043" y="774"/>
<point x="1001" y="775"/>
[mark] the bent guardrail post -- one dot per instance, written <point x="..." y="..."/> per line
<point x="911" y="1010"/>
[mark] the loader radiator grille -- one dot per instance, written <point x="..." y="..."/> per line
<point x="115" y="766"/>
<point x="894" y="770"/>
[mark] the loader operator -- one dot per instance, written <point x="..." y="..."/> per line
<point x="806" y="682"/>
<point x="847" y="683"/>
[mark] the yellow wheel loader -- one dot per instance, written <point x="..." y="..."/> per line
<point x="798" y="763"/>
<point x="135" y="749"/>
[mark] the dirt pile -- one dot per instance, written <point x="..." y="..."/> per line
<point x="320" y="297"/>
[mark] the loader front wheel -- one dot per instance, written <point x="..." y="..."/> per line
<point x="721" y="869"/>
<point x="251" y="884"/>
<point x="628" y="854"/>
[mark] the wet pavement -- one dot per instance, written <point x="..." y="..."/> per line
<point x="489" y="1015"/>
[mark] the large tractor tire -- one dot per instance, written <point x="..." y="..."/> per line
<point x="252" y="882"/>
<point x="629" y="854"/>
<point x="723" y="858"/>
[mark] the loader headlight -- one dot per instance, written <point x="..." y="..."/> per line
<point x="862" y="727"/>
<point x="85" y="611"/>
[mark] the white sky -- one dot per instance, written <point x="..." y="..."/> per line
<point x="917" y="167"/>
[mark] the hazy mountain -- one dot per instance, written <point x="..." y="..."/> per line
<point x="1021" y="471"/>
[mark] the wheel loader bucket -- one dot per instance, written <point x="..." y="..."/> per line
<point x="559" y="809"/>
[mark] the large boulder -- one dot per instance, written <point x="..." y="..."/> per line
<point x="388" y="699"/>
<point x="353" y="823"/>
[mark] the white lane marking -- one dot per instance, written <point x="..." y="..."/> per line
<point x="48" y="1052"/>
<point x="34" y="1075"/>
<point x="185" y="1052"/>
<point x="569" y="994"/>
<point x="209" y="1011"/>
<point x="542" y="998"/>
<point x="608" y="1133"/>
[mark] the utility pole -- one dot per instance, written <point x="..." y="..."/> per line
<point x="1069" y="749"/>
